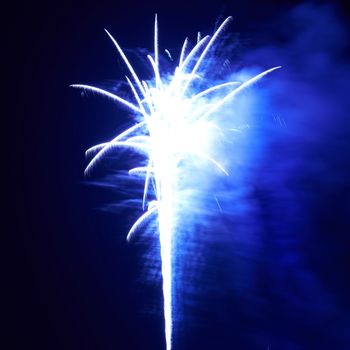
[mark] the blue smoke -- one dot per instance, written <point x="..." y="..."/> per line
<point x="271" y="268"/>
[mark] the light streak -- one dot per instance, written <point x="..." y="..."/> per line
<point x="177" y="119"/>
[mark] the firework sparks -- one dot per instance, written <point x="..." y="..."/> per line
<point x="176" y="120"/>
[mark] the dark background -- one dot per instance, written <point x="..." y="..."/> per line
<point x="73" y="281"/>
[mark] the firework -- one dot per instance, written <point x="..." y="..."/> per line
<point x="175" y="117"/>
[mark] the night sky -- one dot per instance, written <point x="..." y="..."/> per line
<point x="279" y="278"/>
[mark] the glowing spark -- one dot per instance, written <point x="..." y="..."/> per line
<point x="176" y="122"/>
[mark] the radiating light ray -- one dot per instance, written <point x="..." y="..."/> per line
<point x="205" y="51"/>
<point x="136" y="95"/>
<point x="140" y="170"/>
<point x="104" y="148"/>
<point x="156" y="54"/>
<point x="212" y="89"/>
<point x="131" y="69"/>
<point x="183" y="51"/>
<point x="96" y="148"/>
<point x="193" y="53"/>
<point x="236" y="91"/>
<point x="140" y="221"/>
<point x="177" y="121"/>
<point x="107" y="94"/>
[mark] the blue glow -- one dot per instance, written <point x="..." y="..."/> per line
<point x="179" y="121"/>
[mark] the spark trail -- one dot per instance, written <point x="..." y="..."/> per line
<point x="176" y="119"/>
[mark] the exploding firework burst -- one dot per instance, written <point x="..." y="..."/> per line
<point x="177" y="117"/>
